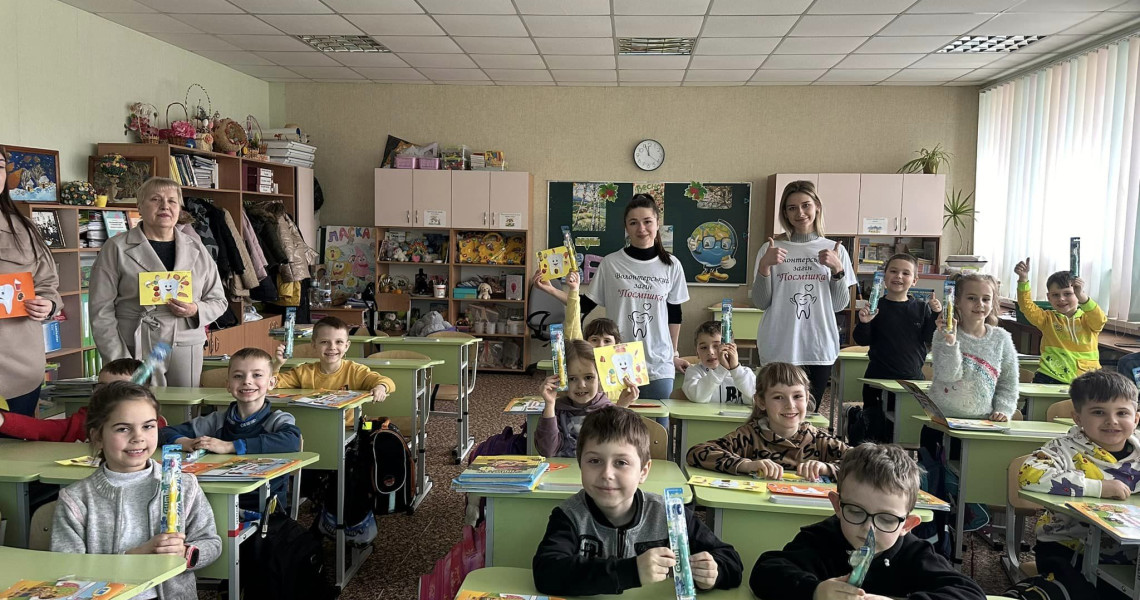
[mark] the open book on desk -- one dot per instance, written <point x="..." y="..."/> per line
<point x="936" y="415"/>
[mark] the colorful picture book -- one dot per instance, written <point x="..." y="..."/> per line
<point x="806" y="494"/>
<point x="1121" y="521"/>
<point x="525" y="405"/>
<point x="329" y="399"/>
<point x="15" y="288"/>
<point x="240" y="469"/>
<point x="931" y="409"/>
<point x="501" y="474"/>
<point x="63" y="589"/>
<point x="616" y="363"/>
<point x="746" y="485"/>
<point x="468" y="595"/>
<point x="157" y="287"/>
<point x="555" y="263"/>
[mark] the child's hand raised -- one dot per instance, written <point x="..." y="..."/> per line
<point x="549" y="393"/>
<point x="573" y="280"/>
<point x="950" y="338"/>
<point x="279" y="358"/>
<point x="998" y="417"/>
<point x="163" y="543"/>
<point x="629" y="393"/>
<point x="865" y="315"/>
<point x="935" y="305"/>
<point x="1114" y="489"/>
<point x="837" y="589"/>
<point x="765" y="468"/>
<point x="704" y="570"/>
<point x="654" y="564"/>
<point x="1021" y="269"/>
<point x="729" y="356"/>
<point x="813" y="470"/>
<point x="1079" y="290"/>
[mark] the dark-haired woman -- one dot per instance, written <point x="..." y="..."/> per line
<point x="22" y="358"/>
<point x="642" y="287"/>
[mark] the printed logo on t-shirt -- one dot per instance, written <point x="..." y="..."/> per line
<point x="803" y="301"/>
<point x="733" y="396"/>
<point x="641" y="320"/>
<point x="590" y="547"/>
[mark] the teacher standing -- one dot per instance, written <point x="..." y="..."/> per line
<point x="122" y="327"/>
<point x="22" y="357"/>
<point x="802" y="279"/>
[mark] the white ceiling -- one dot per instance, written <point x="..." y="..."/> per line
<point x="573" y="42"/>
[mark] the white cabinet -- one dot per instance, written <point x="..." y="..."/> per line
<point x="510" y="200"/>
<point x="922" y="204"/>
<point x="393" y="197"/>
<point x="781" y="181"/>
<point x="431" y="198"/>
<point x="442" y="199"/>
<point x="839" y="193"/>
<point x="880" y="204"/>
<point x="471" y="198"/>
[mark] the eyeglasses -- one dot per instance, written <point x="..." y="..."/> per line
<point x="885" y="522"/>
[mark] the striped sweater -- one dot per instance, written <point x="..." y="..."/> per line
<point x="974" y="376"/>
<point x="1068" y="344"/>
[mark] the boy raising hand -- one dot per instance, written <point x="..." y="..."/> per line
<point x="1068" y="332"/>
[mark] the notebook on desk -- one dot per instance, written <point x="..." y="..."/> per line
<point x="931" y="409"/>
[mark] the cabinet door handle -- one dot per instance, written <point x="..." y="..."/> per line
<point x="492" y="218"/>
<point x="904" y="223"/>
<point x="417" y="217"/>
<point x="408" y="217"/>
<point x="896" y="224"/>
<point x="484" y="217"/>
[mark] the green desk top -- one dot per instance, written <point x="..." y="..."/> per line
<point x="361" y="339"/>
<point x="142" y="570"/>
<point x="716" y="308"/>
<point x="42" y="453"/>
<point x="418" y="341"/>
<point x="733" y="413"/>
<point x="17" y="471"/>
<point x="512" y="580"/>
<point x="1064" y="421"/>
<point x="662" y="474"/>
<point x="224" y="399"/>
<point x="183" y="395"/>
<point x="1019" y="431"/>
<point x="372" y="363"/>
<point x="893" y="386"/>
<point x="1043" y="390"/>
<point x="546" y="365"/>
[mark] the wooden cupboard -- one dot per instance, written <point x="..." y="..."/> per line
<point x="441" y="199"/>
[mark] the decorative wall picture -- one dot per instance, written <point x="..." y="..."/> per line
<point x="716" y="197"/>
<point x="655" y="189"/>
<point x="350" y="253"/>
<point x="589" y="208"/>
<point x="33" y="174"/>
<point x="48" y="225"/>
<point x="139" y="169"/>
<point x="714" y="245"/>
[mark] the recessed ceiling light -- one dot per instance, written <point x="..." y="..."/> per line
<point x="343" y="43"/>
<point x="645" y="45"/>
<point x="989" y="43"/>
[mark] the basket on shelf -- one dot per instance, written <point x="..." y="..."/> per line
<point x="229" y="137"/>
<point x="257" y="146"/>
<point x="178" y="132"/>
<point x="200" y="118"/>
<point x="142" y="120"/>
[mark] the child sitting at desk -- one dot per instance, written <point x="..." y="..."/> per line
<point x="73" y="428"/>
<point x="333" y="372"/>
<point x="611" y="536"/>
<point x="776" y="437"/>
<point x="1098" y="458"/>
<point x="1068" y="332"/>
<point x="719" y="374"/>
<point x="249" y="425"/>
<point x="877" y="487"/>
<point x="117" y="509"/>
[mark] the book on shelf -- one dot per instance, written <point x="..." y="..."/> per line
<point x="115" y="222"/>
<point x="525" y="405"/>
<point x="63" y="589"/>
<point x="329" y="398"/>
<point x="290" y="153"/>
<point x="1121" y="521"/>
<point x="240" y="469"/>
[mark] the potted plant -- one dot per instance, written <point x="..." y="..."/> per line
<point x="958" y="211"/>
<point x="928" y="161"/>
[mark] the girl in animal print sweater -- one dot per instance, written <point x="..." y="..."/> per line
<point x="776" y="437"/>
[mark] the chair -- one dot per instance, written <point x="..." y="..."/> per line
<point x="1016" y="510"/>
<point x="1063" y="409"/>
<point x="1017" y="416"/>
<point x="658" y="439"/>
<point x="1024" y="376"/>
<point x="305" y="349"/>
<point x="214" y="378"/>
<point x="39" y="532"/>
<point x="381" y="334"/>
<point x="678" y="393"/>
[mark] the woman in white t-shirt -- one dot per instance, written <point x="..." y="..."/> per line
<point x="642" y="287"/>
<point x="802" y="279"/>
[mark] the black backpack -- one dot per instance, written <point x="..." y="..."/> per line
<point x="288" y="562"/>
<point x="393" y="468"/>
<point x="1039" y="587"/>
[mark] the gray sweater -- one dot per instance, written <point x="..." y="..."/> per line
<point x="975" y="376"/>
<point x="89" y="520"/>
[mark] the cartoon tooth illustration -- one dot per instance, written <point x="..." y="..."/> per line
<point x="167" y="289"/>
<point x="7" y="295"/>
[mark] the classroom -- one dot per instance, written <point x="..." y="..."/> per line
<point x="743" y="222"/>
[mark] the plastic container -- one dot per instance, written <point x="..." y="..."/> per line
<point x="427" y="163"/>
<point x="405" y="162"/>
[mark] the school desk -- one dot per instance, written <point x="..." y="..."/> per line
<point x="223" y="499"/>
<point x="693" y="423"/>
<point x="140" y="571"/>
<point x="1039" y="397"/>
<point x="176" y="404"/>
<point x="460" y="364"/>
<point x="516" y="522"/>
<point x="515" y="580"/>
<point x="656" y="411"/>
<point x="359" y="346"/>
<point x="745" y="320"/>
<point x="985" y="459"/>
<point x="737" y="517"/>
<point x="1064" y="421"/>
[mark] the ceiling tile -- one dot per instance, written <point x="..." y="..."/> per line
<point x="904" y="44"/>
<point x="861" y="7"/>
<point x="467" y="7"/>
<point x="1104" y="22"/>
<point x="266" y="43"/>
<point x="1051" y="44"/>
<point x="653" y="62"/>
<point x="576" y="26"/>
<point x="311" y="58"/>
<point x="960" y="83"/>
<point x="934" y="24"/>
<point x="1016" y="60"/>
<point x="367" y="59"/>
<point x="497" y="45"/>
<point x="482" y="25"/>
<point x="327" y="72"/>
<point x="802" y="61"/>
<point x="865" y="75"/>
<point x="228" y="24"/>
<point x="402" y="43"/>
<point x="576" y="46"/>
<point x="651" y="74"/>
<point x="453" y="74"/>
<point x="182" y="6"/>
<point x="390" y="7"/>
<point x="825" y="82"/>
<point x="517" y="75"/>
<point x="819" y="45"/>
<point x="561" y="75"/>
<point x="962" y="6"/>
<point x="395" y="24"/>
<point x="828" y="25"/>
<point x="727" y="62"/>
<point x="660" y="7"/>
<point x="234" y="58"/>
<point x="878" y="61"/>
<point x="561" y="7"/>
<point x="439" y="61"/>
<point x="979" y="75"/>
<point x="762" y="82"/>
<point x="465" y="82"/>
<point x="902" y="82"/>
<point x="1130" y="6"/>
<point x="612" y="83"/>
<point x="505" y="82"/>
<point x="283" y="7"/>
<point x="728" y="45"/>
<point x="203" y="41"/>
<point x="109" y="6"/>
<point x="149" y="22"/>
<point x="509" y="61"/>
<point x="650" y="26"/>
<point x="1063" y="6"/>
<point x="929" y="74"/>
<point x="788" y="75"/>
<point x="557" y="61"/>
<point x="759" y="7"/>
<point x="628" y="83"/>
<point x="312" y="24"/>
<point x="390" y="74"/>
<point x="972" y="60"/>
<point x="747" y="26"/>
<point x="696" y="83"/>
<point x="266" y="71"/>
<point x="719" y="74"/>
<point x="1030" y="23"/>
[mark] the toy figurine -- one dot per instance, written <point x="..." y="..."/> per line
<point x="422" y="288"/>
<point x="484" y="291"/>
<point x="399" y="255"/>
<point x="418" y="251"/>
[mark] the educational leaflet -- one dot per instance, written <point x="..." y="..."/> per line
<point x="745" y="485"/>
<point x="1121" y="521"/>
<point x="156" y="287"/>
<point x="936" y="416"/>
<point x="329" y="399"/>
<point x="525" y="405"/>
<point x="469" y="595"/>
<point x="82" y="461"/>
<point x="15" y="288"/>
<point x="240" y="469"/>
<point x="63" y="589"/>
<point x="555" y="263"/>
<point x="616" y="363"/>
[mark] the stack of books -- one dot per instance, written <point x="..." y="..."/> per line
<point x="204" y="171"/>
<point x="65" y="589"/>
<point x="61" y="389"/>
<point x="478" y="161"/>
<point x="291" y="153"/>
<point x="507" y="474"/>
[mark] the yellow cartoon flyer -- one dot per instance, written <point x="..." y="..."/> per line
<point x="157" y="287"/>
<point x="615" y="363"/>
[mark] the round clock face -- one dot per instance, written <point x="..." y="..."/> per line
<point x="648" y="155"/>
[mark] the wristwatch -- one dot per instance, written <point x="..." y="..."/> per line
<point x="676" y="354"/>
<point x="838" y="275"/>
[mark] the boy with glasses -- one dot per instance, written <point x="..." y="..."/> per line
<point x="877" y="486"/>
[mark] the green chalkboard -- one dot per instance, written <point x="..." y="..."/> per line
<point x="712" y="218"/>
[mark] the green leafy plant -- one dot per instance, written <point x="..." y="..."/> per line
<point x="928" y="161"/>
<point x="958" y="211"/>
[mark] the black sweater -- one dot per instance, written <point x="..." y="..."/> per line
<point x="899" y="337"/>
<point x="910" y="569"/>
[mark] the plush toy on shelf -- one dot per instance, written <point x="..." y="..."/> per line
<point x="484" y="291"/>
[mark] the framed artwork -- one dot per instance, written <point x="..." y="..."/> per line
<point x="33" y="174"/>
<point x="48" y="225"/>
<point x="139" y="169"/>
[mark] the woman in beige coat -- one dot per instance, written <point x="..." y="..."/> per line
<point x="22" y="357"/>
<point x="121" y="326"/>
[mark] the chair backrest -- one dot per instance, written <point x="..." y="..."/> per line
<point x="381" y="334"/>
<point x="1024" y="376"/>
<point x="1014" y="485"/>
<point x="692" y="360"/>
<point x="39" y="534"/>
<point x="678" y="393"/>
<point x="305" y="349"/>
<point x="398" y="354"/>
<point x="658" y="439"/>
<point x="927" y="372"/>
<point x="450" y="334"/>
<point x="214" y="378"/>
<point x="1017" y="416"/>
<point x="1063" y="408"/>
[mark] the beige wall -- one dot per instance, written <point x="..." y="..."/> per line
<point x="588" y="133"/>
<point x="68" y="77"/>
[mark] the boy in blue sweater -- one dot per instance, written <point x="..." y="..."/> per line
<point x="249" y="425"/>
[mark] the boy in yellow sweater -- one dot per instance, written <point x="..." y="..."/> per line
<point x="1068" y="332"/>
<point x="333" y="372"/>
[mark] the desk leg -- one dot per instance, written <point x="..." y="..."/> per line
<point x="466" y="385"/>
<point x="489" y="528"/>
<point x="896" y="429"/>
<point x="531" y="428"/>
<point x="683" y="448"/>
<point x="836" y="409"/>
<point x="960" y="517"/>
<point x="1091" y="556"/>
<point x="14" y="501"/>
<point x="419" y="437"/>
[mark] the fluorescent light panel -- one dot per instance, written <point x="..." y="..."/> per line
<point x="663" y="46"/>
<point x="343" y="43"/>
<point x="969" y="44"/>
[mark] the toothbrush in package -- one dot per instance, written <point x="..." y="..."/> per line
<point x="726" y="320"/>
<point x="861" y="558"/>
<point x="679" y="543"/>
<point x="948" y="306"/>
<point x="558" y="354"/>
<point x="876" y="291"/>
<point x="290" y="322"/>
<point x="170" y="490"/>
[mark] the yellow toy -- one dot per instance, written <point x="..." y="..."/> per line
<point x="516" y="250"/>
<point x="491" y="250"/>
<point x="469" y="249"/>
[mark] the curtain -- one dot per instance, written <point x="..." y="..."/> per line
<point x="1059" y="157"/>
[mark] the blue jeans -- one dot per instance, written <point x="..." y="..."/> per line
<point x="25" y="404"/>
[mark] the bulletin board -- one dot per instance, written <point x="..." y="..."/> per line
<point x="705" y="225"/>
